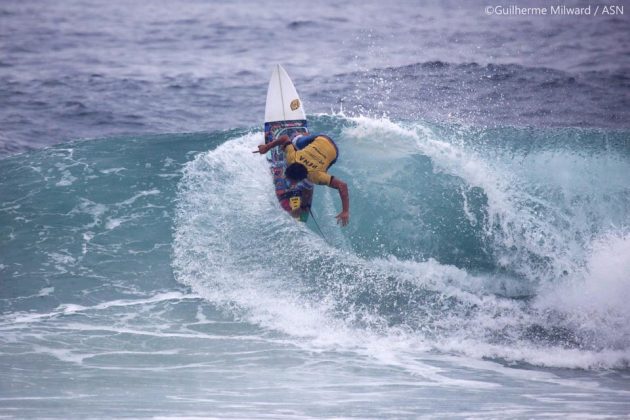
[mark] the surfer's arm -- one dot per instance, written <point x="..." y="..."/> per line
<point x="283" y="140"/>
<point x="342" y="187"/>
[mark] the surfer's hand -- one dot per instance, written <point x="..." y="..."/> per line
<point x="342" y="218"/>
<point x="262" y="149"/>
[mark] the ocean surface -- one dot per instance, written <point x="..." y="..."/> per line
<point x="146" y="270"/>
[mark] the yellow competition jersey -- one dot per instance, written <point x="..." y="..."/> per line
<point x="317" y="157"/>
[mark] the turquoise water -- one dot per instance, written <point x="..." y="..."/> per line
<point x="148" y="272"/>
<point x="484" y="273"/>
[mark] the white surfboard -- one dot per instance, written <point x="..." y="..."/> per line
<point x="284" y="114"/>
<point x="283" y="102"/>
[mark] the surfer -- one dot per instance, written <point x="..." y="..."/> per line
<point x="308" y="158"/>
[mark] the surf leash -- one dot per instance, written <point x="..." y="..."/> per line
<point x="317" y="225"/>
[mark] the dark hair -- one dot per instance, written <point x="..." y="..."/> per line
<point x="296" y="172"/>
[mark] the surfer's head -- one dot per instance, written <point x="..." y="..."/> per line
<point x="296" y="172"/>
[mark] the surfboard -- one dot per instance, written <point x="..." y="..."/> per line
<point x="284" y="114"/>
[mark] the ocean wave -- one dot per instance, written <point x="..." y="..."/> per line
<point x="499" y="243"/>
<point x="446" y="247"/>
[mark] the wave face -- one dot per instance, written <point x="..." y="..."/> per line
<point x="503" y="243"/>
<point x="475" y="259"/>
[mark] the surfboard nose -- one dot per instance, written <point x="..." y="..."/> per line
<point x="283" y="101"/>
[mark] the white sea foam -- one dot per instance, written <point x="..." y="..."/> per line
<point x="141" y="194"/>
<point x="96" y="210"/>
<point x="66" y="180"/>
<point x="596" y="299"/>
<point x="112" y="171"/>
<point x="12" y="319"/>
<point x="46" y="291"/>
